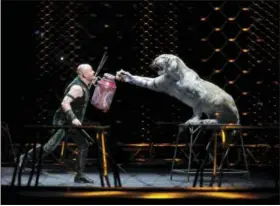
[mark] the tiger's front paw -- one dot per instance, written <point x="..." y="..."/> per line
<point x="124" y="76"/>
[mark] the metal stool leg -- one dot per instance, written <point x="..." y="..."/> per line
<point x="200" y="168"/>
<point x="244" y="156"/>
<point x="192" y="142"/>
<point x="99" y="157"/>
<point x="104" y="160"/>
<point x="180" y="130"/>
<point x="62" y="150"/>
<point x="214" y="160"/>
<point x="190" y="153"/>
<point x="221" y="169"/>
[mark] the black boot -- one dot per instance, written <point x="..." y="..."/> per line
<point x="82" y="178"/>
<point x="81" y="163"/>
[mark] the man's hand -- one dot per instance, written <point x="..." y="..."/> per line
<point x="124" y="76"/>
<point x="76" y="122"/>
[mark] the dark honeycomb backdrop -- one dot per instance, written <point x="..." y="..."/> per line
<point x="232" y="44"/>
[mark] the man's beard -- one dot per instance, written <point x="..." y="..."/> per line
<point x="90" y="79"/>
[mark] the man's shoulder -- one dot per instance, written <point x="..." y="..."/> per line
<point x="76" y="87"/>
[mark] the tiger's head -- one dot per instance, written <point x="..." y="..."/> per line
<point x="166" y="64"/>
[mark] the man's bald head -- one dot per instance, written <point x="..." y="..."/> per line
<point x="86" y="72"/>
<point x="82" y="68"/>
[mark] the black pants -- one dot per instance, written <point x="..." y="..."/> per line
<point x="56" y="138"/>
<point x="77" y="137"/>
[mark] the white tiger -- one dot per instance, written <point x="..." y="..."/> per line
<point x="181" y="82"/>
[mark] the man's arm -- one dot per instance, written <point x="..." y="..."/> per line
<point x="74" y="92"/>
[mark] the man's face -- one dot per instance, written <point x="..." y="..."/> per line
<point x="89" y="74"/>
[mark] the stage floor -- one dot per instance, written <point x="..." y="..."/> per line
<point x="138" y="177"/>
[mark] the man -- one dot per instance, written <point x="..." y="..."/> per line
<point x="72" y="111"/>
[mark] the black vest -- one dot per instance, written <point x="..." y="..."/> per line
<point x="79" y="105"/>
